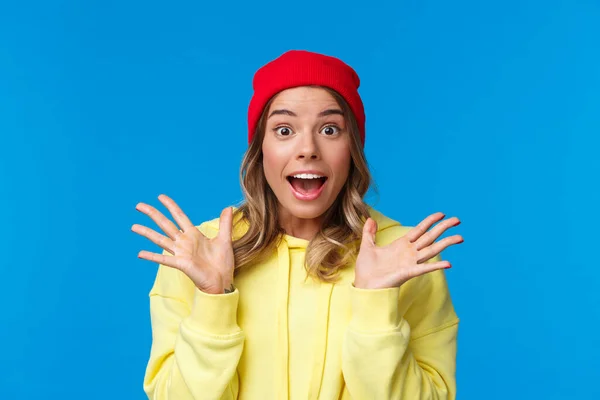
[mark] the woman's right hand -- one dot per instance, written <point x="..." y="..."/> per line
<point x="209" y="263"/>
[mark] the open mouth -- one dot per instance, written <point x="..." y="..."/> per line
<point x="307" y="186"/>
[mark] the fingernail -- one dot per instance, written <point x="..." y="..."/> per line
<point x="449" y="266"/>
<point x="457" y="224"/>
<point x="461" y="240"/>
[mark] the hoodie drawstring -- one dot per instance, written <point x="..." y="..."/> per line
<point x="321" y="332"/>
<point x="282" y="351"/>
<point x="321" y="324"/>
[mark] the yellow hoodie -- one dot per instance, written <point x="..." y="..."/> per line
<point x="281" y="336"/>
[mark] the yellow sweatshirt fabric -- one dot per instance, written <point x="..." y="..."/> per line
<point x="281" y="336"/>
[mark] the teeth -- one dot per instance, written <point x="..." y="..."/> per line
<point x="307" y="176"/>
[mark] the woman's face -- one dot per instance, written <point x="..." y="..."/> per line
<point x="306" y="133"/>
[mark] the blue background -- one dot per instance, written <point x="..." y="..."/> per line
<point x="489" y="112"/>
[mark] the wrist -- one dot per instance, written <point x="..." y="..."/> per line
<point x="218" y="290"/>
<point x="365" y="285"/>
<point x="225" y="286"/>
<point x="229" y="289"/>
<point x="371" y="285"/>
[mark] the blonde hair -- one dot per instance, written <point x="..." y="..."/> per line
<point x="336" y="243"/>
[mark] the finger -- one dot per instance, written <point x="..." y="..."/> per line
<point x="373" y="229"/>
<point x="416" y="232"/>
<point x="154" y="236"/>
<point x="163" y="222"/>
<point x="169" y="261"/>
<point x="368" y="234"/>
<point x="436" y="232"/>
<point x="225" y="224"/>
<point x="422" y="269"/>
<point x="436" y="248"/>
<point x="177" y="213"/>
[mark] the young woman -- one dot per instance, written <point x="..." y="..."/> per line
<point x="303" y="291"/>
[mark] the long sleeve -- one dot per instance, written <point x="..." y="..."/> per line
<point x="383" y="359"/>
<point x="196" y="341"/>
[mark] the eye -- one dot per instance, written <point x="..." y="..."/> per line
<point x="283" y="131"/>
<point x="330" y="130"/>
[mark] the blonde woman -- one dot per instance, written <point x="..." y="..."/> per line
<point x="303" y="291"/>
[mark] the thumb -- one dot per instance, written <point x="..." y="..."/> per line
<point x="225" y="223"/>
<point x="369" y="230"/>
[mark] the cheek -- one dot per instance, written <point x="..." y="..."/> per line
<point x="340" y="162"/>
<point x="272" y="164"/>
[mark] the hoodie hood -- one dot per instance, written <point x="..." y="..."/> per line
<point x="240" y="226"/>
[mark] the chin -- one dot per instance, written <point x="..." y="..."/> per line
<point x="308" y="211"/>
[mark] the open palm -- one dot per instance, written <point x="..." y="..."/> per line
<point x="209" y="263"/>
<point x="405" y="258"/>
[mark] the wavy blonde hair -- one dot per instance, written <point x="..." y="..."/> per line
<point x="336" y="243"/>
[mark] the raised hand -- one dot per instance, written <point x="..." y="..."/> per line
<point x="209" y="263"/>
<point x="403" y="259"/>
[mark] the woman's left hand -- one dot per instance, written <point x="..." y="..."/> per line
<point x="403" y="259"/>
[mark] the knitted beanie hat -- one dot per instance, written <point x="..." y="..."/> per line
<point x="302" y="68"/>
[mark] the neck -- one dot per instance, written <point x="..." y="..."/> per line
<point x="303" y="228"/>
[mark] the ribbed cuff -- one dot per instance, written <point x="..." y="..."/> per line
<point x="215" y="314"/>
<point x="374" y="309"/>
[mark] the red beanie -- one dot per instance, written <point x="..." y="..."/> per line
<point x="302" y="68"/>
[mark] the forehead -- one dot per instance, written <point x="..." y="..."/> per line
<point x="304" y="97"/>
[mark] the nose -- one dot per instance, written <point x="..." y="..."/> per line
<point x="307" y="147"/>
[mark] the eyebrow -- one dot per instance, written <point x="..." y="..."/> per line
<point x="332" y="111"/>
